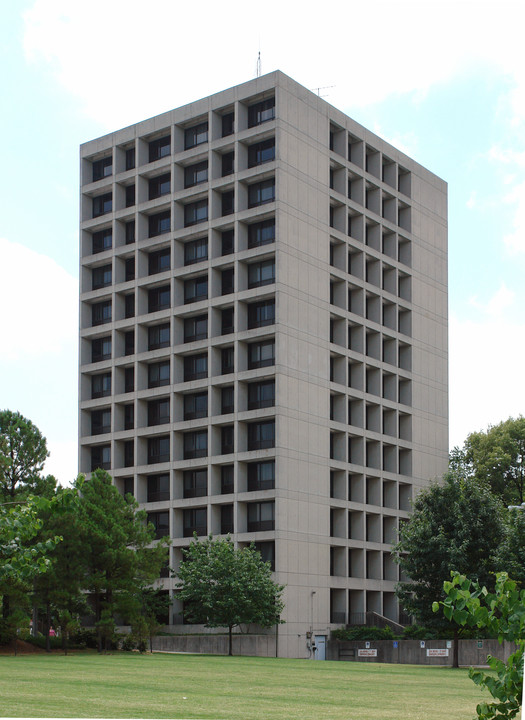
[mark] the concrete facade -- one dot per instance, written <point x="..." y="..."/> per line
<point x="263" y="338"/>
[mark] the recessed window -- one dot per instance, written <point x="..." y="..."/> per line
<point x="195" y="213"/>
<point x="159" y="224"/>
<point x="267" y="552"/>
<point x="227" y="321"/>
<point x="195" y="328"/>
<point x="158" y="374"/>
<point x="261" y="516"/>
<point x="101" y="349"/>
<point x="227" y="281"/>
<point x="130" y="195"/>
<point x="226" y="519"/>
<point x="101" y="313"/>
<point x="261" y="354"/>
<point x="196" y="251"/>
<point x="194" y="520"/>
<point x="227" y="443"/>
<point x="227" y="242"/>
<point x="261" y="394"/>
<point x="102" y="204"/>
<point x="161" y="523"/>
<point x="129" y="453"/>
<point x="159" y="261"/>
<point x="159" y="298"/>
<point x="195" y="444"/>
<point x="195" y="483"/>
<point x="227" y="202"/>
<point x="227" y="163"/>
<point x="261" y="314"/>
<point x="261" y="152"/>
<point x="102" y="240"/>
<point x="196" y="135"/>
<point x="261" y="193"/>
<point x="227" y="400"/>
<point x="261" y="273"/>
<point x="129" y="342"/>
<point x="261" y="112"/>
<point x="261" y="475"/>
<point x="101" y="457"/>
<point x="101" y="385"/>
<point x="130" y="232"/>
<point x="195" y="405"/>
<point x="196" y="174"/>
<point x="226" y="479"/>
<point x="261" y="233"/>
<point x="129" y="379"/>
<point x="159" y="336"/>
<point x="158" y="449"/>
<point x="130" y="158"/>
<point x="100" y="421"/>
<point x="159" y="148"/>
<point x="195" y="367"/>
<point x="101" y="277"/>
<point x="129" y="305"/>
<point x="102" y="168"/>
<point x="158" y="412"/>
<point x="129" y="417"/>
<point x="160" y="185"/>
<point x="227" y="124"/>
<point x="130" y="269"/>
<point x="195" y="289"/>
<point x="158" y="487"/>
<point x="261" y="435"/>
<point x="227" y="357"/>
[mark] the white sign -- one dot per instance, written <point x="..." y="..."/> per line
<point x="367" y="644"/>
<point x="449" y="643"/>
<point x="421" y="643"/>
<point x="437" y="652"/>
<point x="362" y="652"/>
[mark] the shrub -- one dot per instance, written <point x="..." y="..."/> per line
<point x="363" y="632"/>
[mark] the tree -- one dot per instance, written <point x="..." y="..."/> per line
<point x="222" y="586"/>
<point x="497" y="457"/>
<point x="502" y="613"/>
<point x="510" y="554"/>
<point x="454" y="526"/>
<point x="118" y="556"/>
<point x="23" y="452"/>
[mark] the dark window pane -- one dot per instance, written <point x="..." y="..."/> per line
<point x="102" y="240"/>
<point x="100" y="385"/>
<point x="129" y="379"/>
<point x="130" y="232"/>
<point x="129" y="417"/>
<point x="227" y="321"/>
<point x="195" y="444"/>
<point x="261" y="516"/>
<point x="101" y="313"/>
<point x="195" y="367"/>
<point x="261" y="394"/>
<point x="226" y="519"/>
<point x="196" y="135"/>
<point x="196" y="405"/>
<point x="158" y="487"/>
<point x="261" y="314"/>
<point x="227" y="242"/>
<point x="101" y="349"/>
<point x="195" y="251"/>
<point x="227" y="446"/>
<point x="129" y="453"/>
<point x="101" y="277"/>
<point x="158" y="449"/>
<point x="101" y="457"/>
<point x="160" y="185"/>
<point x="129" y="305"/>
<point x="261" y="475"/>
<point x="102" y="204"/>
<point x="226" y="479"/>
<point x="102" y="168"/>
<point x="159" y="336"/>
<point x="195" y="328"/>
<point x="195" y="521"/>
<point x="158" y="374"/>
<point x="227" y="281"/>
<point x="261" y="152"/>
<point x="227" y="361"/>
<point x="227" y="401"/>
<point x="129" y="342"/>
<point x="261" y="435"/>
<point x="227" y="163"/>
<point x="100" y="421"/>
<point x="130" y="269"/>
<point x="227" y="201"/>
<point x="195" y="483"/>
<point x="159" y="148"/>
<point x="130" y="195"/>
<point x="261" y="233"/>
<point x="130" y="158"/>
<point x="195" y="289"/>
<point x="196" y="174"/>
<point x="261" y="354"/>
<point x="161" y="523"/>
<point x="195" y="213"/>
<point x="159" y="298"/>
<point x="261" y="193"/>
<point x="261" y="273"/>
<point x="267" y="551"/>
<point x="159" y="261"/>
<point x="227" y="124"/>
<point x="261" y="112"/>
<point x="159" y="223"/>
<point x="158" y="412"/>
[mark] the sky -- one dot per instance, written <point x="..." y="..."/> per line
<point x="443" y="81"/>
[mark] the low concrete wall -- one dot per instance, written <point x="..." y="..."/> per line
<point x="412" y="652"/>
<point x="258" y="645"/>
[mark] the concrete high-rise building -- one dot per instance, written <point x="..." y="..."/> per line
<point x="263" y="338"/>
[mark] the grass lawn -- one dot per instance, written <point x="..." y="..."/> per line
<point x="240" y="688"/>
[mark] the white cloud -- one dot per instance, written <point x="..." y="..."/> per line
<point x="39" y="302"/>
<point x="515" y="241"/>
<point x="495" y="307"/>
<point x="471" y="202"/>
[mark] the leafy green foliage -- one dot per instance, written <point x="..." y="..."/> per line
<point x="363" y="632"/>
<point x="510" y="554"/>
<point x="221" y="586"/>
<point x="501" y="612"/>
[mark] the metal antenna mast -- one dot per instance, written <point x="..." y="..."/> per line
<point x="259" y="64"/>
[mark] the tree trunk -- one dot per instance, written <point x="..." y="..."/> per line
<point x="455" y="651"/>
<point x="48" y="626"/>
<point x="230" y="642"/>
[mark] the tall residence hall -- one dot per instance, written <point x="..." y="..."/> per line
<point x="263" y="339"/>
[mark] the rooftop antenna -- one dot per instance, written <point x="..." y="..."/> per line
<point x="318" y="90"/>
<point x="259" y="64"/>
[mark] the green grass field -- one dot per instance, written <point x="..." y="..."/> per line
<point x="239" y="688"/>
